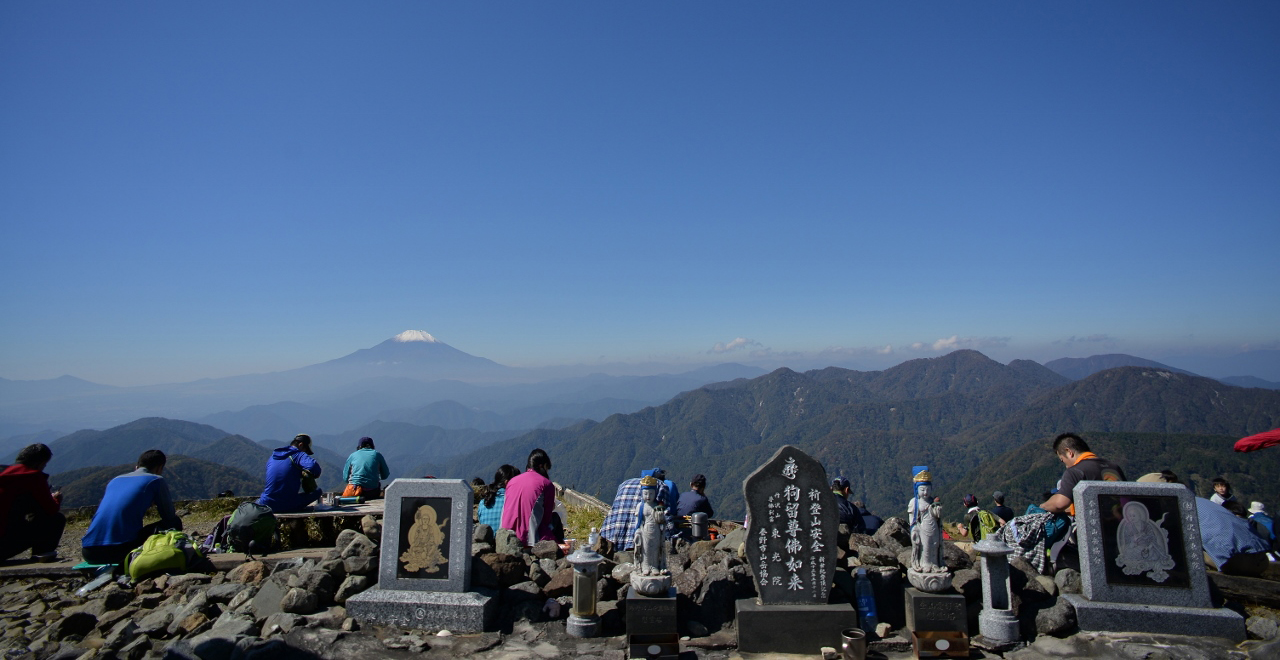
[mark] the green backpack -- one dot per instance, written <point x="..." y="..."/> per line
<point x="987" y="525"/>
<point x="167" y="552"/>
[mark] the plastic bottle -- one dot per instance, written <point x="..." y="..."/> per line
<point x="865" y="595"/>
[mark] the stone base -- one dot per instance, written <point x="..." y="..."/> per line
<point x="1157" y="619"/>
<point x="999" y="627"/>
<point x="652" y="630"/>
<point x="932" y="582"/>
<point x="936" y="612"/>
<point x="576" y="626"/>
<point x="802" y="629"/>
<point x="651" y="585"/>
<point x="467" y="611"/>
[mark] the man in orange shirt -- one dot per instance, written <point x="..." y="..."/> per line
<point x="1082" y="465"/>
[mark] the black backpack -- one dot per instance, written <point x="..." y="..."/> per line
<point x="252" y="529"/>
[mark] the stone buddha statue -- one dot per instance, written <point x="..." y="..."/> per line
<point x="928" y="570"/>
<point x="650" y="576"/>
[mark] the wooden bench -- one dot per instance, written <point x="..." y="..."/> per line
<point x="311" y="528"/>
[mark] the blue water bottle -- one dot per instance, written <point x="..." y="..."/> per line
<point x="865" y="595"/>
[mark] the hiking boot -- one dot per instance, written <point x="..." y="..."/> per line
<point x="46" y="558"/>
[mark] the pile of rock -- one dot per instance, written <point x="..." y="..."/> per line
<point x="536" y="584"/>
<point x="1035" y="596"/>
<point x="240" y="613"/>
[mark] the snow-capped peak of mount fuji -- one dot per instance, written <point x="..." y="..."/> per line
<point x="414" y="335"/>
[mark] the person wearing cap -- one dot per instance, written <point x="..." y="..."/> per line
<point x="364" y="471"/>
<point x="1263" y="525"/>
<point x="695" y="499"/>
<point x="1000" y="510"/>
<point x="849" y="514"/>
<point x="672" y="494"/>
<point x="291" y="477"/>
<point x="1230" y="545"/>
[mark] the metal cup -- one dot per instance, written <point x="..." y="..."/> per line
<point x="853" y="644"/>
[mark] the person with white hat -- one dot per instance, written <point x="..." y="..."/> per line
<point x="1263" y="526"/>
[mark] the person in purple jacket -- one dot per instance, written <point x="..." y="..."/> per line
<point x="530" y="501"/>
<point x="291" y="475"/>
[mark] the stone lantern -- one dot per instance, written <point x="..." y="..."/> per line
<point x="996" y="622"/>
<point x="583" y="620"/>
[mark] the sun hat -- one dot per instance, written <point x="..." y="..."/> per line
<point x="1256" y="507"/>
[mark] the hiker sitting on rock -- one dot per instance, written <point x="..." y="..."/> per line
<point x="364" y="471"/>
<point x="531" y="501"/>
<point x="117" y="526"/>
<point x="29" y="513"/>
<point x="289" y="470"/>
<point x="619" y="526"/>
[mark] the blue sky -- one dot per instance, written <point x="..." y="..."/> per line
<point x="193" y="191"/>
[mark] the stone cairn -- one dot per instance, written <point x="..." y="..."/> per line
<point x="262" y="609"/>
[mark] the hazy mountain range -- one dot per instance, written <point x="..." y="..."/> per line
<point x="396" y="377"/>
<point x="978" y="423"/>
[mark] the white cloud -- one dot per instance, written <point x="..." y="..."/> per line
<point x="733" y="345"/>
<point x="956" y="342"/>
<point x="1091" y="339"/>
<point x="886" y="350"/>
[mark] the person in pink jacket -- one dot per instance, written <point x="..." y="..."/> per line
<point x="530" y="501"/>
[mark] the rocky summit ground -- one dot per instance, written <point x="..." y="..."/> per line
<point x="295" y="609"/>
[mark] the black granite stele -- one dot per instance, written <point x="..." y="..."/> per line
<point x="424" y="570"/>
<point x="936" y="612"/>
<point x="1171" y="597"/>
<point x="791" y="545"/>
<point x="791" y="549"/>
<point x="652" y="629"/>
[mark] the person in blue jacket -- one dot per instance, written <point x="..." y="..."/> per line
<point x="116" y="528"/>
<point x="364" y="471"/>
<point x="288" y="469"/>
<point x="672" y="498"/>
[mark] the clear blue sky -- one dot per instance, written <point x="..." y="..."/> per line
<point x="191" y="190"/>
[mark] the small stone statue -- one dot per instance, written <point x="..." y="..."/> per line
<point x="928" y="571"/>
<point x="650" y="577"/>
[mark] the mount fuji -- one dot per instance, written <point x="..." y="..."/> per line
<point x="411" y="354"/>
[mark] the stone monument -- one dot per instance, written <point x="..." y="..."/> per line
<point x="1141" y="562"/>
<point x="424" y="571"/>
<point x="791" y="550"/>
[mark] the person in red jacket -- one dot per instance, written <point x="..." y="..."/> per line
<point x="30" y="515"/>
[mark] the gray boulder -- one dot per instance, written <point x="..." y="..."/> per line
<point x="547" y="550"/>
<point x="872" y="556"/>
<point x="732" y="540"/>
<point x="351" y="586"/>
<point x="299" y="601"/>
<point x="506" y="543"/>
<point x="893" y="535"/>
<point x="1262" y="628"/>
<point x="1058" y="620"/>
<point x="968" y="583"/>
<point x="482" y="533"/>
<point x="1068" y="581"/>
<point x="360" y="565"/>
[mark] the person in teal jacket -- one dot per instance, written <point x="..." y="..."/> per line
<point x="364" y="470"/>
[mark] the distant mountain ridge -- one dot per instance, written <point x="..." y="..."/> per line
<point x="187" y="479"/>
<point x="952" y="413"/>
<point x="1077" y="368"/>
